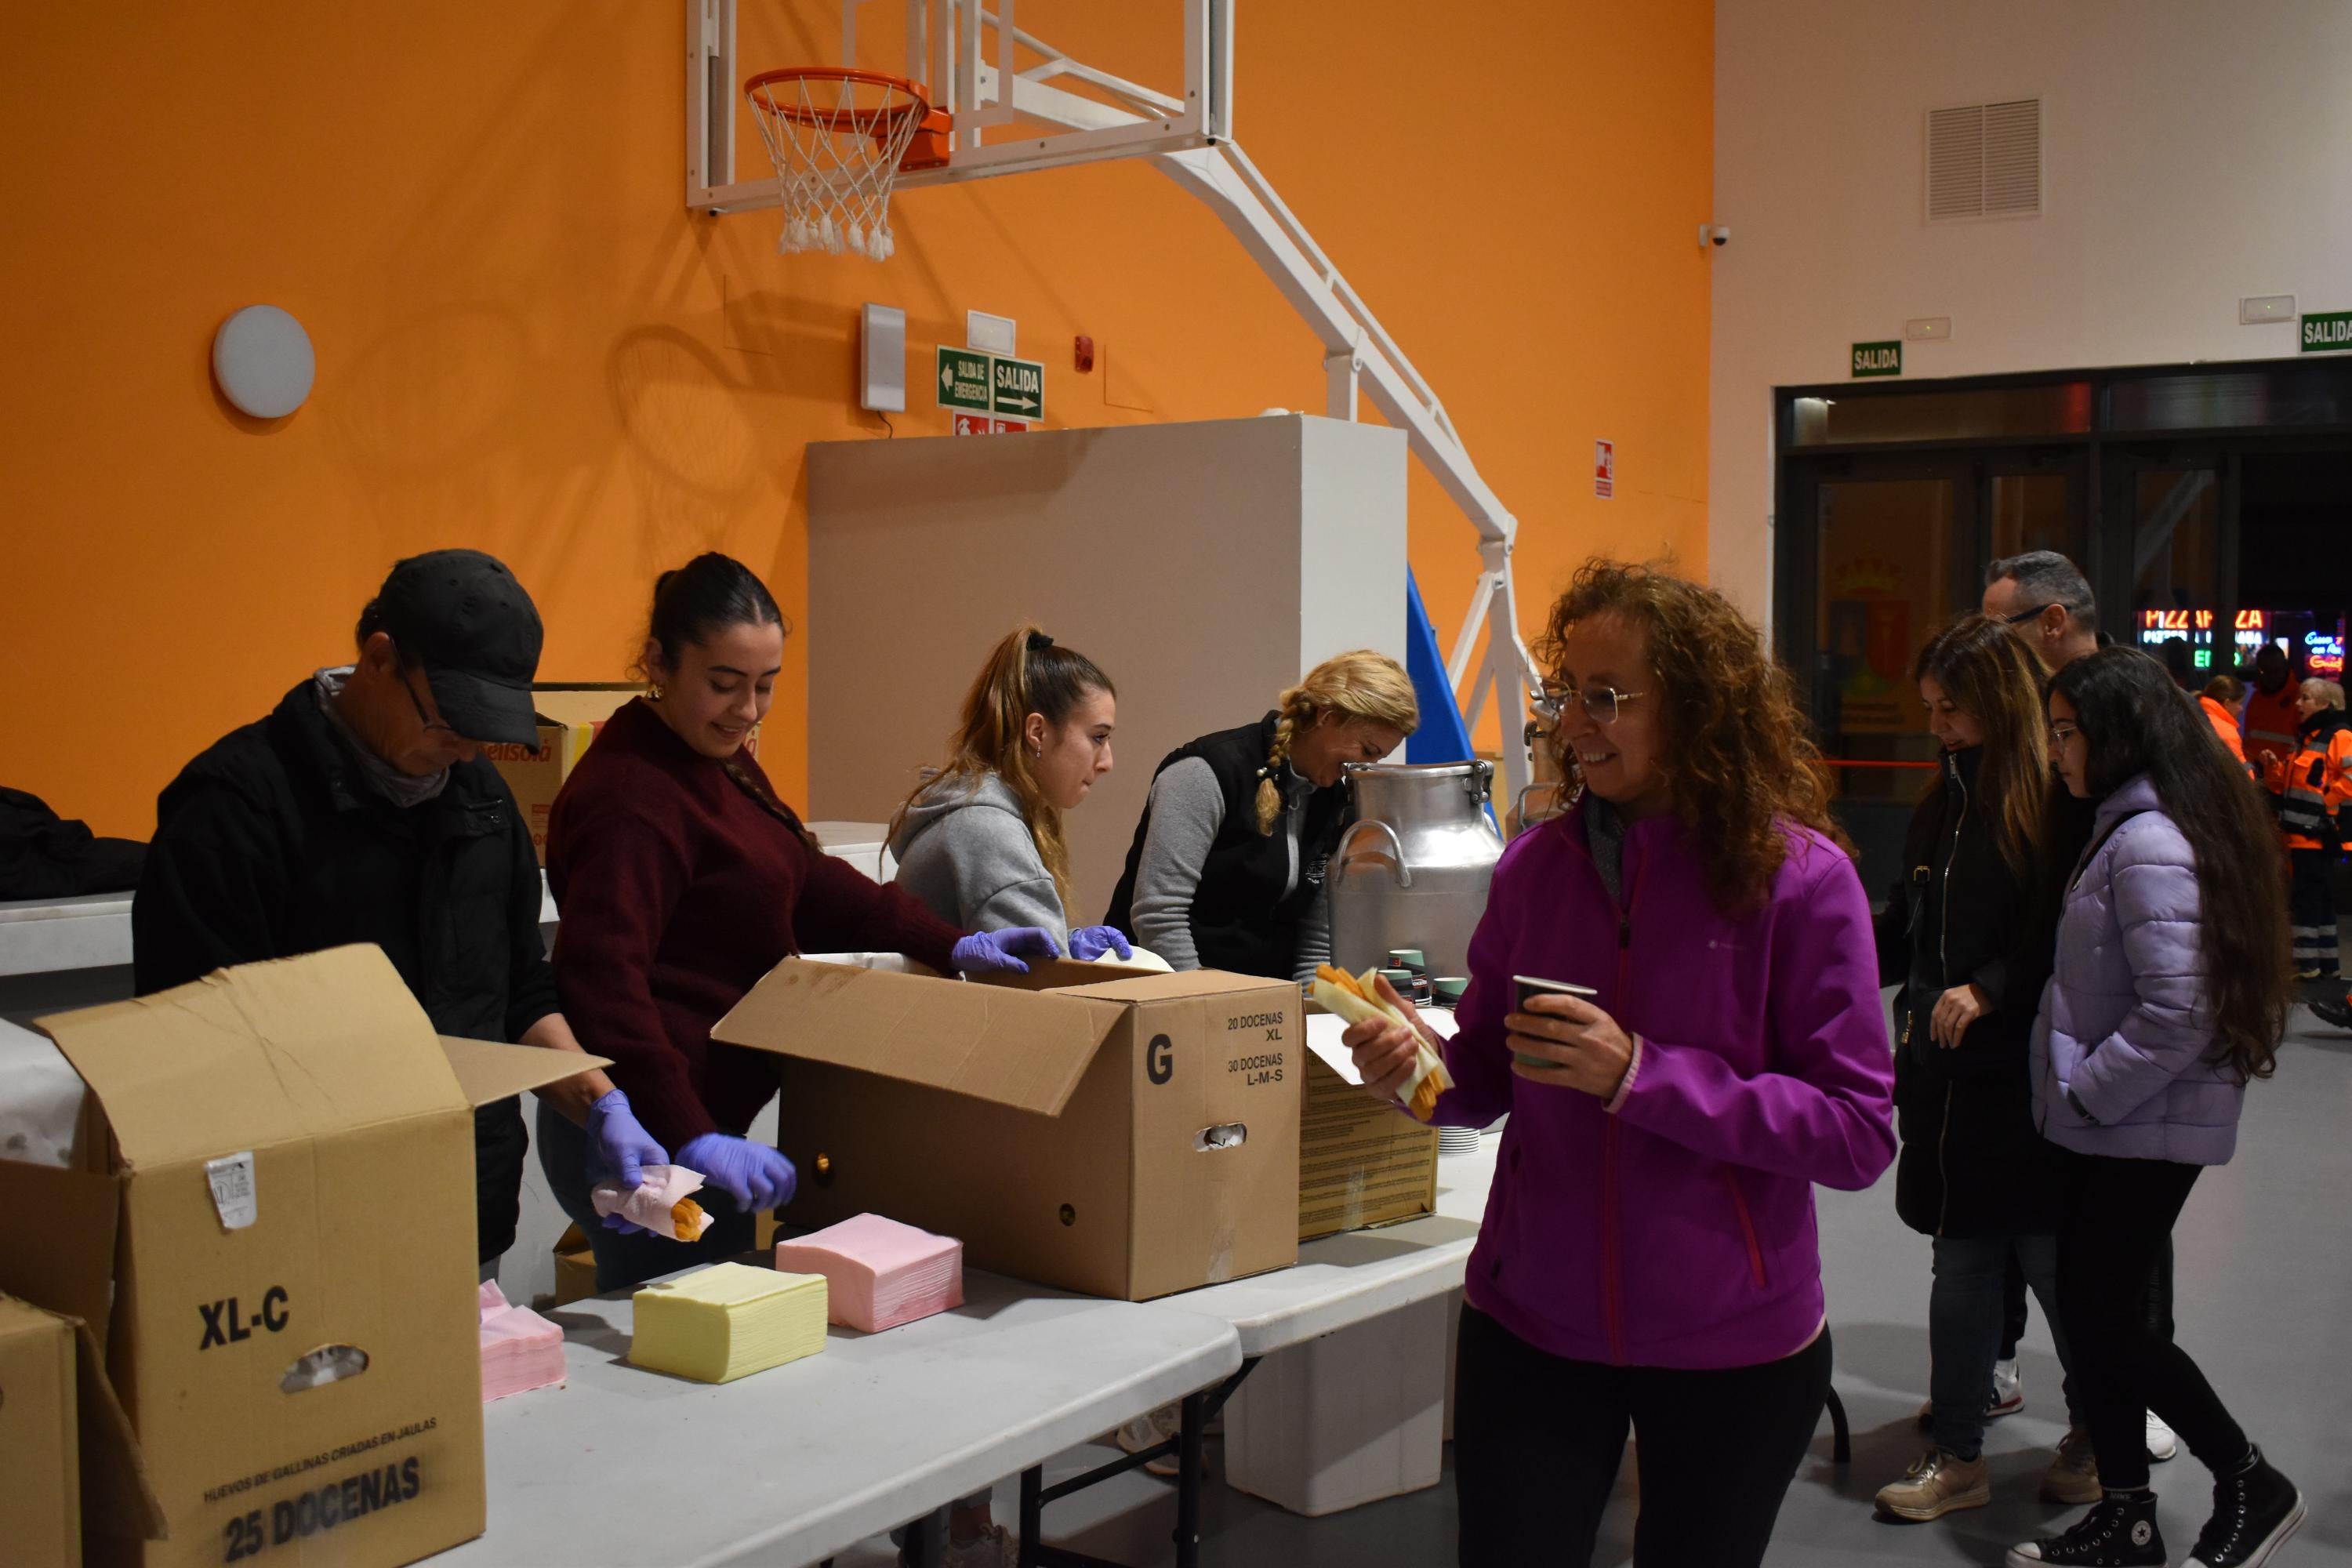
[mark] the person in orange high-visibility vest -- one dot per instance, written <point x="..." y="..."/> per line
<point x="2272" y="717"/>
<point x="2220" y="704"/>
<point x="2312" y="787"/>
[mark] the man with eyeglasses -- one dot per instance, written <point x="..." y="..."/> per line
<point x="2046" y="601"/>
<point x="362" y="810"/>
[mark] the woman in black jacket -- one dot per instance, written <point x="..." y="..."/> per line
<point x="1967" y="936"/>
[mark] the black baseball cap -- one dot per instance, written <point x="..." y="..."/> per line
<point x="463" y="617"/>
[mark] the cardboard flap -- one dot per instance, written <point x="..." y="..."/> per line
<point x="1019" y="1048"/>
<point x="579" y="704"/>
<point x="56" y="1238"/>
<point x="1064" y="974"/>
<point x="117" y="1497"/>
<point x="263" y="1053"/>
<point x="1173" y="987"/>
<point x="487" y="1071"/>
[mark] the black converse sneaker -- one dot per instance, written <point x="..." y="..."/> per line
<point x="2118" y="1532"/>
<point x="2254" y="1510"/>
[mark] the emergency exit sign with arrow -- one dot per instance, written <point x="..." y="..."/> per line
<point x="1020" y="389"/>
<point x="964" y="378"/>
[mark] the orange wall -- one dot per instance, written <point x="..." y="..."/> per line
<point x="526" y="344"/>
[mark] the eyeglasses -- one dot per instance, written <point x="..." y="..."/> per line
<point x="2024" y="615"/>
<point x="430" y="722"/>
<point x="1599" y="704"/>
<point x="2062" y="734"/>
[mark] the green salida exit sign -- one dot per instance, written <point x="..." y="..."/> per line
<point x="1878" y="359"/>
<point x="2328" y="332"/>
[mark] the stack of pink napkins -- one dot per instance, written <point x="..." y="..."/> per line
<point x="520" y="1350"/>
<point x="879" y="1273"/>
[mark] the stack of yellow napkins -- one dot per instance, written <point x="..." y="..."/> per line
<point x="728" y="1320"/>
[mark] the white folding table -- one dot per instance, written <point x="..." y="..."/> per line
<point x="1338" y="1281"/>
<point x="820" y="1454"/>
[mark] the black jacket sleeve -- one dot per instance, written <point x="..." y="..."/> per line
<point x="213" y="891"/>
<point x="531" y="979"/>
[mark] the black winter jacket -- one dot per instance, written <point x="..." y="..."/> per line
<point x="1972" y="1164"/>
<point x="270" y="844"/>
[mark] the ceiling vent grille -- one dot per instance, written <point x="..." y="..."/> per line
<point x="1984" y="160"/>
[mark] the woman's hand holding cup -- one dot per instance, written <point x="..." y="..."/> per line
<point x="1586" y="1048"/>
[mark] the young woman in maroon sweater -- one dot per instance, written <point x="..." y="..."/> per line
<point x="681" y="879"/>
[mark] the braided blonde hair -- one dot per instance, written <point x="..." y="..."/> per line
<point x="1362" y="685"/>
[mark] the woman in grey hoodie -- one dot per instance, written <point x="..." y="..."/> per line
<point x="980" y="842"/>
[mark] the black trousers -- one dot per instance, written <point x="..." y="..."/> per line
<point x="2012" y="1327"/>
<point x="2115" y="1222"/>
<point x="1538" y="1440"/>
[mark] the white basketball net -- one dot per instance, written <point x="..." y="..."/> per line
<point x="836" y="144"/>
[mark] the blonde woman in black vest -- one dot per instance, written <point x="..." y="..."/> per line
<point x="1226" y="870"/>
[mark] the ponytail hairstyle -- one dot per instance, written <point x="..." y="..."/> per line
<point x="2134" y="721"/>
<point x="696" y="601"/>
<point x="1362" y="685"/>
<point x="1994" y="678"/>
<point x="1026" y="673"/>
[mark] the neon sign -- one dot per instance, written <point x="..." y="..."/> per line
<point x="2326" y="654"/>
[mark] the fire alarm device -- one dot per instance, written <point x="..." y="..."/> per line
<point x="1085" y="355"/>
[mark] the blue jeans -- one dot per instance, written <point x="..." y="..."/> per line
<point x="1964" y="1329"/>
<point x="625" y="1260"/>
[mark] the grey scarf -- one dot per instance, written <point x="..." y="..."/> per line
<point x="403" y="790"/>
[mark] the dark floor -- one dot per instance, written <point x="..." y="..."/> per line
<point x="2264" y="1283"/>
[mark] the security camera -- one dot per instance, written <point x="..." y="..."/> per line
<point x="1715" y="234"/>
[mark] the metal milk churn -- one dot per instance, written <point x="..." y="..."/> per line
<point x="1414" y="868"/>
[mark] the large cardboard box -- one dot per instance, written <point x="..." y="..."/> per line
<point x="569" y="717"/>
<point x="67" y="1455"/>
<point x="1128" y="1138"/>
<point x="40" y="1438"/>
<point x="282" y="1208"/>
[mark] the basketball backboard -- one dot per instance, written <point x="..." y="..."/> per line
<point x="1014" y="100"/>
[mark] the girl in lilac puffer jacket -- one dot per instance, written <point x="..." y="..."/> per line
<point x="2170" y="994"/>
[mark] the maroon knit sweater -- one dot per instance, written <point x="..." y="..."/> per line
<point x="679" y="890"/>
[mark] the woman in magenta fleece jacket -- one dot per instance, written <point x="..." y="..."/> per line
<point x="1649" y="1255"/>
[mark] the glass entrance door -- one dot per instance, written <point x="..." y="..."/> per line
<point x="1895" y="557"/>
<point x="2179" y="563"/>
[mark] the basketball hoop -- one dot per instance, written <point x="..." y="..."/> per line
<point x="838" y="137"/>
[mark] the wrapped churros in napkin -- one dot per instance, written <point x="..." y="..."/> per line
<point x="1355" y="998"/>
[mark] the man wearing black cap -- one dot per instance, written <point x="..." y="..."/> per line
<point x="362" y="811"/>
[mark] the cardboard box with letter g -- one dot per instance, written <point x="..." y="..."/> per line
<point x="273" y="1234"/>
<point x="1121" y="1137"/>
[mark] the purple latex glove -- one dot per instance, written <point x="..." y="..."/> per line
<point x="756" y="1176"/>
<point x="621" y="1140"/>
<point x="619" y="1144"/>
<point x="1000" y="952"/>
<point x="1090" y="943"/>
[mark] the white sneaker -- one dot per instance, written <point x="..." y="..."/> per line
<point x="2161" y="1443"/>
<point x="2007" y="1391"/>
<point x="2007" y="1396"/>
<point x="1150" y="1432"/>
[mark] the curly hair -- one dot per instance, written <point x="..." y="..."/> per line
<point x="1740" y="758"/>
